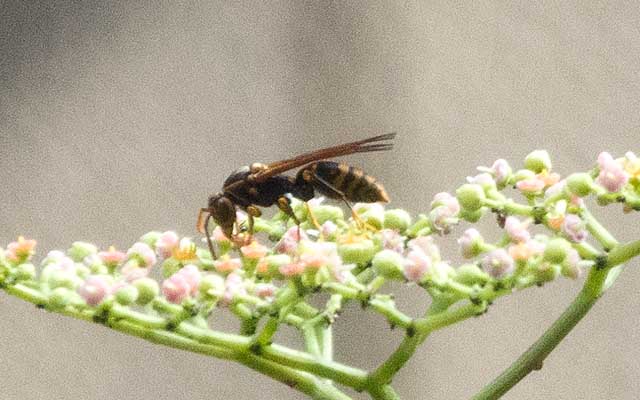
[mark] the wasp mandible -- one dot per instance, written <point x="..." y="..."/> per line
<point x="264" y="185"/>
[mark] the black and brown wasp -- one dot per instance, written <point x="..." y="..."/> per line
<point x="263" y="185"/>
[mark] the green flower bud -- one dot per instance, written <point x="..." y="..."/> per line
<point x="151" y="238"/>
<point x="327" y="213"/>
<point x="211" y="285"/>
<point x="60" y="297"/>
<point x="126" y="295"/>
<point x="421" y="224"/>
<point x="147" y="288"/>
<point x="82" y="271"/>
<point x="80" y="250"/>
<point x="471" y="216"/>
<point x="357" y="253"/>
<point x="547" y="272"/>
<point x="269" y="266"/>
<point x="372" y="214"/>
<point x="397" y="219"/>
<point x="24" y="272"/>
<point x="170" y="266"/>
<point x="65" y="279"/>
<point x="471" y="274"/>
<point x="523" y="174"/>
<point x="389" y="264"/>
<point x="537" y="161"/>
<point x="98" y="269"/>
<point x="580" y="184"/>
<point x="556" y="250"/>
<point x="470" y="196"/>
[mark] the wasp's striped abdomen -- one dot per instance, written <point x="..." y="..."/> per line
<point x="335" y="179"/>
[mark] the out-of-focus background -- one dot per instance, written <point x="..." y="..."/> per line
<point x="117" y="118"/>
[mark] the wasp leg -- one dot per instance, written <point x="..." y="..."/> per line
<point x="325" y="186"/>
<point x="252" y="212"/>
<point x="201" y="220"/>
<point x="208" y="236"/>
<point x="312" y="217"/>
<point x="284" y="204"/>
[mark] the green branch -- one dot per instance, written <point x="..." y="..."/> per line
<point x="597" y="282"/>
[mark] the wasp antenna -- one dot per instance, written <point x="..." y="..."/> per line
<point x="374" y="147"/>
<point x="379" y="138"/>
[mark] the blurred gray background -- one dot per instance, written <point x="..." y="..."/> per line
<point x="120" y="118"/>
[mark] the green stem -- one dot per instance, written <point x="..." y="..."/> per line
<point x="343" y="374"/>
<point x="597" y="282"/>
<point x="384" y="392"/>
<point x="599" y="232"/>
<point x="534" y="357"/>
<point x="437" y="317"/>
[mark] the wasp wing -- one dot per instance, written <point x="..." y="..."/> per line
<point x="361" y="146"/>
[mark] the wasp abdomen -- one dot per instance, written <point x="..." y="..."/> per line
<point x="334" y="179"/>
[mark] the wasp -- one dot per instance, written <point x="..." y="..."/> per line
<point x="264" y="185"/>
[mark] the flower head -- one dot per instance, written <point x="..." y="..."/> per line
<point x="185" y="251"/>
<point x="143" y="254"/>
<point x="225" y="264"/>
<point x="182" y="284"/>
<point x="166" y="243"/>
<point x="574" y="228"/>
<point x="94" y="289"/>
<point x="501" y="171"/>
<point x="289" y="241"/>
<point x="417" y="265"/>
<point x="469" y="243"/>
<point x="254" y="250"/>
<point x="112" y="257"/>
<point x="517" y="230"/>
<point x="498" y="263"/>
<point x="612" y="176"/>
<point x="20" y="250"/>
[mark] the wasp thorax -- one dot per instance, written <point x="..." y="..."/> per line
<point x="257" y="167"/>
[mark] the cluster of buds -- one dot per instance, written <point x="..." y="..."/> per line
<point x="331" y="253"/>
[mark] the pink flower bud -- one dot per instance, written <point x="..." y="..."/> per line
<point x="265" y="290"/>
<point x="612" y="176"/>
<point x="447" y="200"/>
<point x="225" y="264"/>
<point x="501" y="171"/>
<point x="254" y="250"/>
<point x="469" y="242"/>
<point x="416" y="265"/>
<point x="143" y="253"/>
<point x="516" y="229"/>
<point x="392" y="240"/>
<point x="112" y="257"/>
<point x="498" y="263"/>
<point x="21" y="250"/>
<point x="289" y="242"/>
<point x="94" y="289"/>
<point x="166" y="243"/>
<point x="574" y="228"/>
<point x="192" y="276"/>
<point x="292" y="269"/>
<point x="531" y="185"/>
<point x="176" y="288"/>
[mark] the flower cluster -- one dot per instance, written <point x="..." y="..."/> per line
<point x="331" y="253"/>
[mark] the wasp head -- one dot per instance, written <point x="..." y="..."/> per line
<point x="223" y="211"/>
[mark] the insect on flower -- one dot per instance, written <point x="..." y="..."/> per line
<point x="264" y="185"/>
